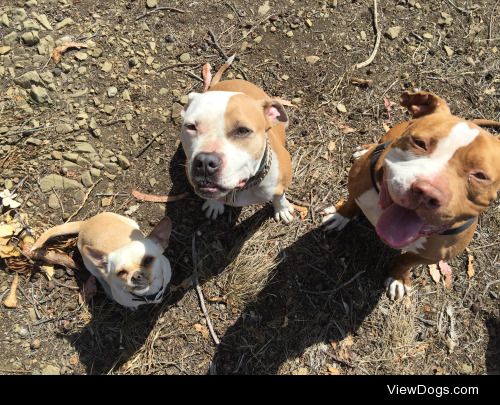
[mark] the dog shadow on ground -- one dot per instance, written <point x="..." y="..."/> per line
<point x="324" y="287"/>
<point x="115" y="333"/>
<point x="493" y="350"/>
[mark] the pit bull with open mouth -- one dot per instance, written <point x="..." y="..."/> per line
<point x="130" y="267"/>
<point x="423" y="186"/>
<point x="234" y="139"/>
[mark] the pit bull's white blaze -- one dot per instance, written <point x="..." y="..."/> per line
<point x="208" y="110"/>
<point x="402" y="168"/>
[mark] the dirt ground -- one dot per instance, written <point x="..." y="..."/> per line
<point x="284" y="299"/>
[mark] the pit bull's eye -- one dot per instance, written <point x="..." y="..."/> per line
<point x="122" y="274"/>
<point x="190" y="127"/>
<point x="147" y="261"/>
<point x="480" y="176"/>
<point x="419" y="143"/>
<point x="243" y="131"/>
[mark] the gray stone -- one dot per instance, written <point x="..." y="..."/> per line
<point x="58" y="182"/>
<point x="185" y="57"/>
<point x="95" y="172"/>
<point x="394" y="32"/>
<point x="47" y="77"/>
<point x="106" y="67"/>
<point x="56" y="155"/>
<point x="126" y="95"/>
<point x="34" y="141"/>
<point x="71" y="156"/>
<point x="85" y="147"/>
<point x="176" y="110"/>
<point x="98" y="165"/>
<point x="30" y="38"/>
<point x="19" y="14"/>
<point x="112" y="91"/>
<point x="64" y="128"/>
<point x="27" y="79"/>
<point x="51" y="370"/>
<point x="4" y="20"/>
<point x="42" y="19"/>
<point x="10" y="38"/>
<point x="39" y="94"/>
<point x="53" y="202"/>
<point x="151" y="3"/>
<point x="87" y="179"/>
<point x="123" y="162"/>
<point x="81" y="56"/>
<point x="64" y="23"/>
<point x="31" y="25"/>
<point x="93" y="123"/>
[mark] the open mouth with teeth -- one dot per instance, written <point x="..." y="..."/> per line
<point x="399" y="226"/>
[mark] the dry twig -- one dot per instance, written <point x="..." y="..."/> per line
<point x="177" y="10"/>
<point x="83" y="202"/>
<point x="377" y="41"/>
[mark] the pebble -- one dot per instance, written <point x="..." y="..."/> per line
<point x="81" y="56"/>
<point x="39" y="94"/>
<point x="394" y="32"/>
<point x="30" y="38"/>
<point x="27" y="79"/>
<point x="185" y="57"/>
<point x="151" y="3"/>
<point x="56" y="155"/>
<point x="64" y="128"/>
<point x="341" y="108"/>
<point x="58" y="182"/>
<point x="53" y="202"/>
<point x="35" y="344"/>
<point x="112" y="91"/>
<point x="85" y="147"/>
<point x="34" y="141"/>
<point x="449" y="51"/>
<point x="312" y="59"/>
<point x="64" y="23"/>
<point x="87" y="179"/>
<point x="51" y="370"/>
<point x="42" y="19"/>
<point x="427" y="35"/>
<point x="106" y="67"/>
<point x="126" y="95"/>
<point x="123" y="162"/>
<point x="4" y="50"/>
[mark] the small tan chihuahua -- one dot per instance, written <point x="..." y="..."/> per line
<point x="130" y="267"/>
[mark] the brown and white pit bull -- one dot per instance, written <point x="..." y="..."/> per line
<point x="423" y="186"/>
<point x="234" y="139"/>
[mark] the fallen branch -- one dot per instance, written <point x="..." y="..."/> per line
<point x="49" y="256"/>
<point x="377" y="41"/>
<point x="150" y="142"/>
<point x="215" y="43"/>
<point x="200" y="292"/>
<point x="158" y="198"/>
<point x="177" y="10"/>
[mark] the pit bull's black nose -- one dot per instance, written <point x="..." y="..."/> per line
<point x="206" y="164"/>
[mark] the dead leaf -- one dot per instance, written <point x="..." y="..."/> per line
<point x="58" y="51"/>
<point x="7" y="250"/>
<point x="348" y="341"/>
<point x="470" y="267"/>
<point x="446" y="272"/>
<point x="386" y="127"/>
<point x="332" y="370"/>
<point x="6" y="230"/>
<point x="202" y="329"/>
<point x="434" y="272"/>
<point x="49" y="271"/>
<point x="346" y="129"/>
<point x="303" y="211"/>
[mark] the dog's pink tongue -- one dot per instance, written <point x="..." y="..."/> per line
<point x="398" y="226"/>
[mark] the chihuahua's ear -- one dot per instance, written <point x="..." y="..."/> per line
<point x="161" y="232"/>
<point x="97" y="257"/>
<point x="423" y="103"/>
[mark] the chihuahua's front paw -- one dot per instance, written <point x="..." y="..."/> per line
<point x="213" y="208"/>
<point x="396" y="289"/>
<point x="332" y="220"/>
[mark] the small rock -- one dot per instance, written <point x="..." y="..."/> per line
<point x="27" y="79"/>
<point x="23" y="332"/>
<point x="53" y="202"/>
<point x="87" y="179"/>
<point x="126" y="95"/>
<point x="70" y="156"/>
<point x="85" y="147"/>
<point x="51" y="370"/>
<point x="95" y="172"/>
<point x="64" y="128"/>
<point x="112" y="91"/>
<point x="39" y="94"/>
<point x="132" y="62"/>
<point x="362" y="34"/>
<point x="341" y="108"/>
<point x="56" y="155"/>
<point x="427" y="35"/>
<point x="394" y="32"/>
<point x="289" y="34"/>
<point x="64" y="23"/>
<point x="42" y="19"/>
<point x="185" y="57"/>
<point x="30" y="38"/>
<point x="449" y="51"/>
<point x="123" y="162"/>
<point x="34" y="141"/>
<point x="108" y="109"/>
<point x="4" y="20"/>
<point x="81" y="56"/>
<point x="152" y="181"/>
<point x="312" y="59"/>
<point x="58" y="182"/>
<point x="19" y="14"/>
<point x="151" y="3"/>
<point x="264" y="9"/>
<point x="4" y="50"/>
<point x="106" y="67"/>
<point x="176" y="110"/>
<point x="35" y="344"/>
<point x="106" y="201"/>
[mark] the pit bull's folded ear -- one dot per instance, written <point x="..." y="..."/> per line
<point x="161" y="232"/>
<point x="275" y="111"/>
<point x="97" y="257"/>
<point x="423" y="103"/>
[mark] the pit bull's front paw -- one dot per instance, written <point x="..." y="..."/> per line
<point x="282" y="209"/>
<point x="396" y="289"/>
<point x="213" y="208"/>
<point x="333" y="220"/>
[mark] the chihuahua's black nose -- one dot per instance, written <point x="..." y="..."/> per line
<point x="138" y="278"/>
<point x="206" y="164"/>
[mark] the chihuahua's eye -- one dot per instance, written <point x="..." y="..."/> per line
<point x="480" y="176"/>
<point x="190" y="127"/>
<point x="243" y="131"/>
<point x="419" y="143"/>
<point x="147" y="261"/>
<point x="122" y="274"/>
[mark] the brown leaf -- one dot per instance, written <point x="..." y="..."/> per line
<point x="202" y="329"/>
<point x="470" y="267"/>
<point x="446" y="272"/>
<point x="332" y="370"/>
<point x="58" y="51"/>
<point x="303" y="211"/>
<point x="73" y="360"/>
<point x="434" y="272"/>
